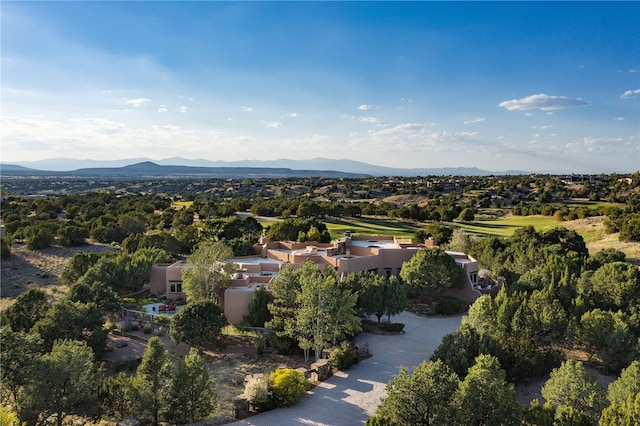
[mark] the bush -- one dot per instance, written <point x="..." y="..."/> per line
<point x="451" y="306"/>
<point x="288" y="386"/>
<point x="257" y="392"/>
<point x="395" y="327"/>
<point x="163" y="319"/>
<point x="147" y="329"/>
<point x="344" y="357"/>
<point x="5" y="249"/>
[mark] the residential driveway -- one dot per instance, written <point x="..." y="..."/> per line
<point x="351" y="397"/>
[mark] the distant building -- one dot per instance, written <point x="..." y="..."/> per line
<point x="383" y="255"/>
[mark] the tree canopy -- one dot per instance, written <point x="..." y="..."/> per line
<point x="199" y="324"/>
<point x="433" y="271"/>
<point x="207" y="273"/>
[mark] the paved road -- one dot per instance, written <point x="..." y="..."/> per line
<point x="349" y="398"/>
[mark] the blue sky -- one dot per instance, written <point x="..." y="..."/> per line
<point x="544" y="87"/>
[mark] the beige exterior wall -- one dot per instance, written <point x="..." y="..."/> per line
<point x="158" y="278"/>
<point x="259" y="270"/>
<point x="163" y="275"/>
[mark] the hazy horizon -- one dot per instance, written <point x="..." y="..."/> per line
<point x="543" y="87"/>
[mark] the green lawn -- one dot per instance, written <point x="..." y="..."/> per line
<point x="506" y="227"/>
<point x="364" y="226"/>
<point x="485" y="226"/>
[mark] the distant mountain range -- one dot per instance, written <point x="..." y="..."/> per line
<point x="248" y="168"/>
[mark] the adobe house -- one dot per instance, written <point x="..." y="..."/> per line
<point x="383" y="255"/>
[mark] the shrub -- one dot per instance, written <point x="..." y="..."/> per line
<point x="163" y="319"/>
<point x="147" y="329"/>
<point x="451" y="306"/>
<point x="5" y="249"/>
<point x="135" y="326"/>
<point x="257" y="392"/>
<point x="395" y="327"/>
<point x="344" y="357"/>
<point x="288" y="386"/>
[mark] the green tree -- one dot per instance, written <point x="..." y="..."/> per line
<point x="61" y="383"/>
<point x="326" y="312"/>
<point x="626" y="385"/>
<point x="8" y="417"/>
<point x="466" y="215"/>
<point x="258" y="309"/>
<point x="616" y="285"/>
<point x="5" y="248"/>
<point x="78" y="266"/>
<point x="77" y="321"/>
<point x="433" y="271"/>
<point x="152" y="381"/>
<point x="26" y="310"/>
<point x="609" y="337"/>
<point x="439" y="232"/>
<point x="372" y="298"/>
<point x="192" y="396"/>
<point x="630" y="229"/>
<point x="482" y="316"/>
<point x="484" y="396"/>
<point x="124" y="272"/>
<point x="38" y="237"/>
<point x="19" y="352"/>
<point x="571" y="386"/>
<point x="71" y="236"/>
<point x="285" y="289"/>
<point x="118" y="396"/>
<point x="460" y="349"/>
<point x="395" y="297"/>
<point x="424" y="397"/>
<point x="624" y="413"/>
<point x="207" y="273"/>
<point x="461" y="241"/>
<point x="98" y="293"/>
<point x="199" y="324"/>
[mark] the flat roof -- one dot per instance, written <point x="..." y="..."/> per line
<point x="375" y="243"/>
<point x="254" y="261"/>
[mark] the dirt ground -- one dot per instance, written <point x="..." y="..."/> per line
<point x="601" y="240"/>
<point x="41" y="268"/>
<point x="228" y="368"/>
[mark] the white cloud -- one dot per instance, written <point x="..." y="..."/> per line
<point x="474" y="120"/>
<point x="630" y="93"/>
<point x="372" y="120"/>
<point x="292" y="115"/>
<point x="364" y="107"/>
<point x="138" y="102"/>
<point x="163" y="108"/>
<point x="247" y="109"/>
<point x="183" y="109"/>
<point x="619" y="118"/>
<point x="408" y="136"/>
<point x="542" y="102"/>
<point x="272" y="124"/>
<point x="546" y="126"/>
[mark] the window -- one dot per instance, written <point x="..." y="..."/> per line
<point x="175" y="286"/>
<point x="474" y="278"/>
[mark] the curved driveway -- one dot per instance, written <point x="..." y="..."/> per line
<point x="349" y="398"/>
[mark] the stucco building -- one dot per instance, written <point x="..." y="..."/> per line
<point x="383" y="255"/>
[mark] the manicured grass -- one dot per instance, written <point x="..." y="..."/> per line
<point x="179" y="205"/>
<point x="506" y="227"/>
<point x="365" y="226"/>
<point x="585" y="203"/>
